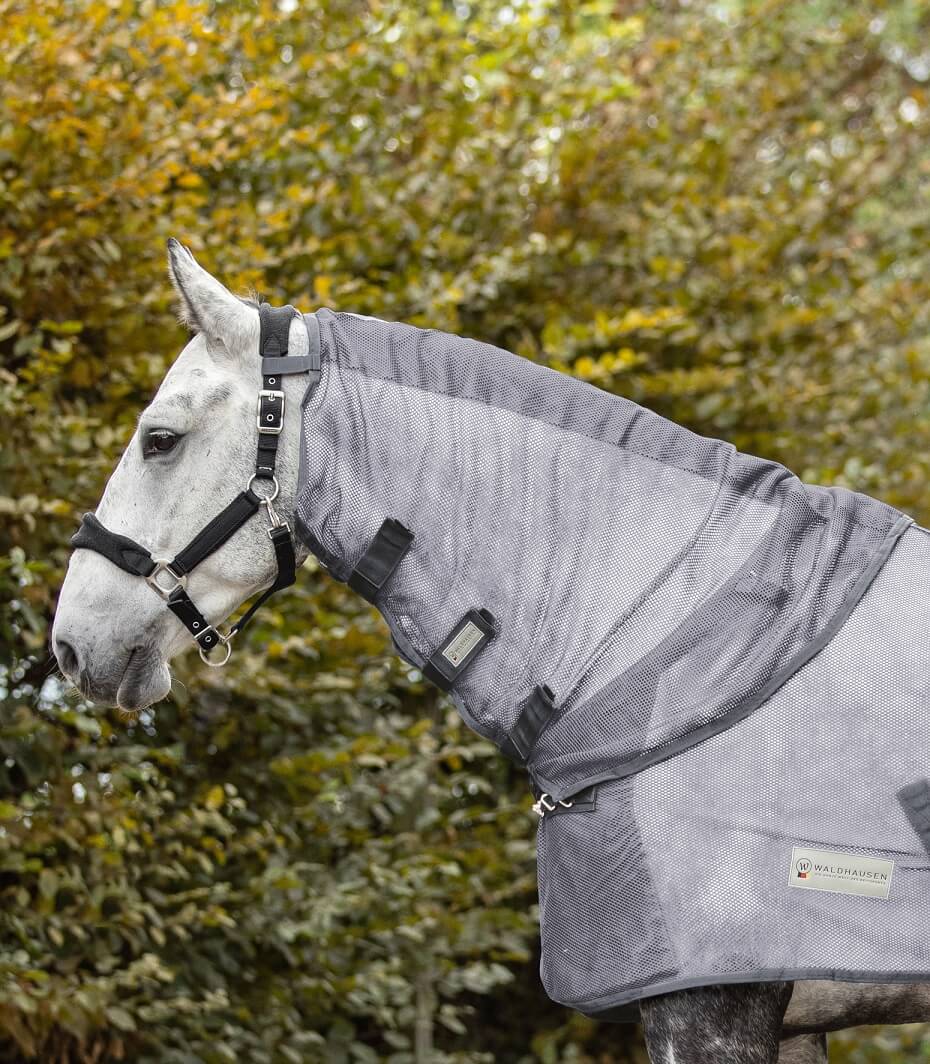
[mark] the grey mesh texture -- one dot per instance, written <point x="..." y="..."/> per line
<point x="679" y="877"/>
<point x="661" y="583"/>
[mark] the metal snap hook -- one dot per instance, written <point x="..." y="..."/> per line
<point x="544" y="804"/>
<point x="275" y="520"/>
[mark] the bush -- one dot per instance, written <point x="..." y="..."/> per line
<point x="719" y="210"/>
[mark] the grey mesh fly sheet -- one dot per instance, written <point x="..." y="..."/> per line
<point x="717" y="676"/>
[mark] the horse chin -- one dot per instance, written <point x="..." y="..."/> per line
<point x="146" y="679"/>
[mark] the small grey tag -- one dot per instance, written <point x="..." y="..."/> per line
<point x="840" y="873"/>
<point x="463" y="644"/>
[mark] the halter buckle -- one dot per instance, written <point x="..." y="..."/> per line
<point x="270" y="414"/>
<point x="162" y="565"/>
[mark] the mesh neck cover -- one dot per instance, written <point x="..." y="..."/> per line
<point x="725" y="644"/>
<point x="661" y="583"/>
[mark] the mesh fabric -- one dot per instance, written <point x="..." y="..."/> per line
<point x="658" y="581"/>
<point x="726" y="644"/>
<point x="680" y="876"/>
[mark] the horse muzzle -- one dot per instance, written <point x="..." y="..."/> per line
<point x="130" y="678"/>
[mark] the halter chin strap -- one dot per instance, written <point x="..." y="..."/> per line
<point x="169" y="578"/>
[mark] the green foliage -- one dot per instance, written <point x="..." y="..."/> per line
<point x="879" y="1045"/>
<point x="719" y="210"/>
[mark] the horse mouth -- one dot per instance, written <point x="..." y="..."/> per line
<point x="145" y="680"/>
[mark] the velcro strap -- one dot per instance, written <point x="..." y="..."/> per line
<point x="377" y="564"/>
<point x="215" y="534"/>
<point x="282" y="367"/>
<point x="313" y="336"/>
<point x="535" y="715"/>
<point x="122" y="551"/>
<point x="915" y="801"/>
<point x="460" y="648"/>
<point x="193" y="620"/>
<point x="276" y="366"/>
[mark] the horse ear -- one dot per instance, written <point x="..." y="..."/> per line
<point x="206" y="306"/>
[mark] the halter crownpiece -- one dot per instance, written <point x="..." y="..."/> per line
<point x="168" y="578"/>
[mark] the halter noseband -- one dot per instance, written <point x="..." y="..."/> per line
<point x="169" y="578"/>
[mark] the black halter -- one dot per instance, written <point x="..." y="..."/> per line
<point x="169" y="578"/>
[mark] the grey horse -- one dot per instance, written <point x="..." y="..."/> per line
<point x="771" y="1023"/>
<point x="114" y="639"/>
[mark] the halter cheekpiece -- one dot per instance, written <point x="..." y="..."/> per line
<point x="168" y="578"/>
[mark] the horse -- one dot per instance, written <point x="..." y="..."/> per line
<point x="114" y="638"/>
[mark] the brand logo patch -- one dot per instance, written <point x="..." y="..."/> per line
<point x="840" y="873"/>
<point x="463" y="643"/>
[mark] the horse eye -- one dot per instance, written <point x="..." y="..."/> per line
<point x="158" y="441"/>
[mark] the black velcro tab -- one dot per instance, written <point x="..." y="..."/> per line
<point x="535" y="715"/>
<point x="377" y="564"/>
<point x="466" y="641"/>
<point x="915" y="801"/>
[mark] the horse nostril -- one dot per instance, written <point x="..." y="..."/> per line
<point x="67" y="658"/>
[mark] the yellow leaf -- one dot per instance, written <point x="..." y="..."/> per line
<point x="215" y="797"/>
<point x="323" y="286"/>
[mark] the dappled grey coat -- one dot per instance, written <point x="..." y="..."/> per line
<point x="674" y="598"/>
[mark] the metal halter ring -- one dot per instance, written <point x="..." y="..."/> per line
<point x="266" y="499"/>
<point x="163" y="565"/>
<point x="225" y="641"/>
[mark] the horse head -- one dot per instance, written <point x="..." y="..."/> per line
<point x="191" y="456"/>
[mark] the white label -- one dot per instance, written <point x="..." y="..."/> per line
<point x="840" y="873"/>
<point x="463" y="643"/>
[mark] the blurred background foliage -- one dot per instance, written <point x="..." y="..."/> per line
<point x="717" y="209"/>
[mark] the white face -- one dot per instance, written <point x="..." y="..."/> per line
<point x="192" y="452"/>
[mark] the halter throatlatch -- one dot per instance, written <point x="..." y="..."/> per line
<point x="168" y="578"/>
